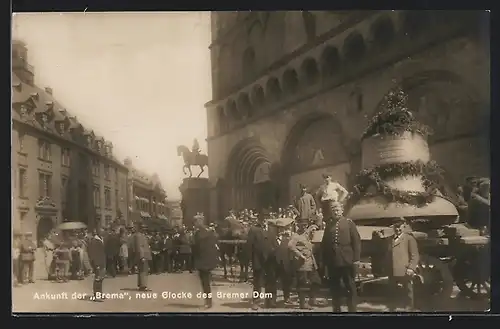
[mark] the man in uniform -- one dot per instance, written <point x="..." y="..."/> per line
<point x="260" y="247"/>
<point x="143" y="257"/>
<point x="303" y="262"/>
<point x="341" y="249"/>
<point x="281" y="269"/>
<point x="97" y="257"/>
<point x="27" y="255"/>
<point x="156" y="249"/>
<point x="206" y="256"/>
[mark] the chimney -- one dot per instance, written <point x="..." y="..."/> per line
<point x="48" y="90"/>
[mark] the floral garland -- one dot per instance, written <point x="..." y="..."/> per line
<point x="395" y="119"/>
<point x="431" y="176"/>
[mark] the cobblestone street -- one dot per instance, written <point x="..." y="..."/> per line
<point x="170" y="293"/>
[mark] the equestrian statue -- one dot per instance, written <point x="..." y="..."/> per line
<point x="192" y="157"/>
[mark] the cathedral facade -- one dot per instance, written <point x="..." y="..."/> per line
<point x="293" y="92"/>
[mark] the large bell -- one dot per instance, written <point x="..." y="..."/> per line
<point x="381" y="150"/>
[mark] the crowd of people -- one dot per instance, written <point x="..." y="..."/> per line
<point x="279" y="244"/>
<point x="67" y="256"/>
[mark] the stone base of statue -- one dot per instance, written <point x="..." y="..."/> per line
<point x="195" y="198"/>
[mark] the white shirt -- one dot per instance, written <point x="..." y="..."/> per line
<point x="330" y="192"/>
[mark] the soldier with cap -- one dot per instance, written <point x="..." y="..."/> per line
<point x="27" y="255"/>
<point x="304" y="263"/>
<point x="341" y="251"/>
<point x="97" y="257"/>
<point x="282" y="269"/>
<point x="206" y="256"/>
<point x="143" y="257"/>
<point x="260" y="248"/>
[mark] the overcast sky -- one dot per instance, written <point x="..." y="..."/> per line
<point x="138" y="79"/>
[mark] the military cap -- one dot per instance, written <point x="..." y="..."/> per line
<point x="326" y="175"/>
<point x="303" y="187"/>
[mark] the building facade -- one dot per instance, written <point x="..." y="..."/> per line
<point x="147" y="197"/>
<point x="293" y="92"/>
<point x="61" y="171"/>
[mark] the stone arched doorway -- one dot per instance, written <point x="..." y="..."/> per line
<point x="45" y="225"/>
<point x="248" y="181"/>
<point x="315" y="145"/>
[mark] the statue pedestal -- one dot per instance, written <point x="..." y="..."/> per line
<point x="195" y="198"/>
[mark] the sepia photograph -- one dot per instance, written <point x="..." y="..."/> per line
<point x="251" y="161"/>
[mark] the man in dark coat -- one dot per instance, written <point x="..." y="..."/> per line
<point x="97" y="257"/>
<point x="402" y="262"/>
<point x="479" y="206"/>
<point x="205" y="256"/>
<point x="260" y="246"/>
<point x="305" y="205"/>
<point x="341" y="249"/>
<point x="143" y="257"/>
<point x="112" y="244"/>
<point x="282" y="270"/>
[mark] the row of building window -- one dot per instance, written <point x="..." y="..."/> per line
<point x="145" y="206"/>
<point x="45" y="153"/>
<point x="45" y="188"/>
<point x="107" y="197"/>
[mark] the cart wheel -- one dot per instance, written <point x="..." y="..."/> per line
<point x="437" y="278"/>
<point x="472" y="276"/>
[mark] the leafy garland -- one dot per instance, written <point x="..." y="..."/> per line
<point x="395" y="119"/>
<point x="430" y="172"/>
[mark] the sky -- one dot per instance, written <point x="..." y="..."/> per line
<point x="140" y="80"/>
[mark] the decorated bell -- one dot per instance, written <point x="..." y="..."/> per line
<point x="398" y="178"/>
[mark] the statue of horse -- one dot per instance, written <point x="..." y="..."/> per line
<point x="192" y="159"/>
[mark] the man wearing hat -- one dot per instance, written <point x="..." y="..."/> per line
<point x="329" y="193"/>
<point x="305" y="205"/>
<point x="143" y="257"/>
<point x="206" y="256"/>
<point x="260" y="248"/>
<point x="479" y="205"/>
<point x="97" y="257"/>
<point x="282" y="270"/>
<point x="341" y="251"/>
<point x="402" y="261"/>
<point x="27" y="255"/>
<point x="304" y="263"/>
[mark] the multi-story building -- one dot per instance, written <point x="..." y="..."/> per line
<point x="293" y="92"/>
<point x="61" y="170"/>
<point x="147" y="198"/>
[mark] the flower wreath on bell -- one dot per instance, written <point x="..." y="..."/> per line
<point x="394" y="120"/>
